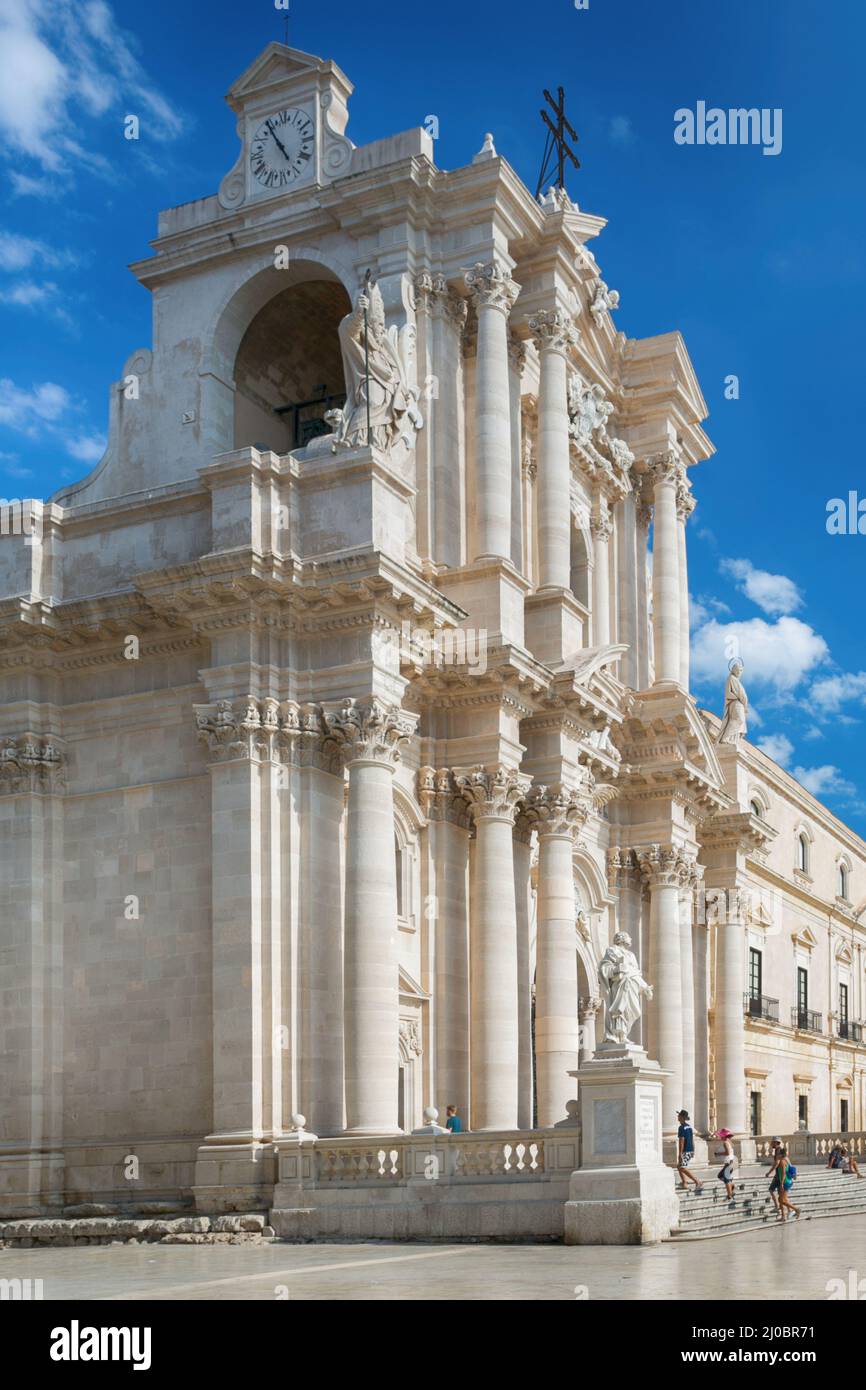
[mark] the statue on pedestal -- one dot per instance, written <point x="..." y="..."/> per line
<point x="734" y="724"/>
<point x="624" y="987"/>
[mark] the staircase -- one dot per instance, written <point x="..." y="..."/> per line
<point x="817" y="1192"/>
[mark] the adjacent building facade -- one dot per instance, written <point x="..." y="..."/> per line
<point x="340" y="725"/>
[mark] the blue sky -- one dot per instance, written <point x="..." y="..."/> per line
<point x="758" y="260"/>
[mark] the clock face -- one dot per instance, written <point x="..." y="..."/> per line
<point x="282" y="148"/>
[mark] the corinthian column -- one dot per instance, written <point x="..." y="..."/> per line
<point x="685" y="507"/>
<point x="493" y="799"/>
<point x="687" y="975"/>
<point x="600" y="525"/>
<point x="557" y="815"/>
<point x="554" y="334"/>
<point x="449" y="823"/>
<point x="494" y="293"/>
<point x="665" y="868"/>
<point x="729" y="1023"/>
<point x="370" y="735"/>
<point x="667" y="470"/>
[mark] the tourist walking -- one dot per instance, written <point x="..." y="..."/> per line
<point x="775" y="1150"/>
<point x="726" y="1172"/>
<point x="686" y="1152"/>
<point x="785" y="1175"/>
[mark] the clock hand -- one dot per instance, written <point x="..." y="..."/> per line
<point x="278" y="141"/>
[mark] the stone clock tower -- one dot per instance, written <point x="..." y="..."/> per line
<point x="292" y="111"/>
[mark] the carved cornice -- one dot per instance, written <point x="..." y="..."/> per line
<point x="370" y="731"/>
<point x="31" y="763"/>
<point x="491" y="286"/>
<point x="493" y="794"/>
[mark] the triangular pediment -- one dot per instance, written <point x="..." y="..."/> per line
<point x="408" y="987"/>
<point x="805" y="938"/>
<point x="275" y="67"/>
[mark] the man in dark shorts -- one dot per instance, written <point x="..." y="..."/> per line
<point x="686" y="1151"/>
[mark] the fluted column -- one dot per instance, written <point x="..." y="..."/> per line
<point x="729" y="1020"/>
<point x="665" y="867"/>
<point x="494" y="293"/>
<point x="557" y="815"/>
<point x="600" y="525"/>
<point x="685" y="507"/>
<point x="701" y="958"/>
<point x="370" y="735"/>
<point x="493" y="798"/>
<point x="449" y="822"/>
<point x="628" y="597"/>
<point x="554" y="335"/>
<point x="667" y="472"/>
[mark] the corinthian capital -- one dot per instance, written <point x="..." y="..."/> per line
<point x="492" y="794"/>
<point x="31" y="763"/>
<point x="556" y="811"/>
<point x="665" y="866"/>
<point x="667" y="468"/>
<point x="491" y="286"/>
<point x="553" y="331"/>
<point x="685" y="500"/>
<point x="372" y="731"/>
<point x="440" y="797"/>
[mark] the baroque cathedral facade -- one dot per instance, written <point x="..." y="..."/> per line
<point x="341" y="724"/>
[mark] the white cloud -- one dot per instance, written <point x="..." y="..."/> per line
<point x="777" y="747"/>
<point x="823" y="780"/>
<point x="775" y="593"/>
<point x="58" y="63"/>
<point x="48" y="409"/>
<point x="831" y="692"/>
<point x="777" y="654"/>
<point x="89" y="448"/>
<point x="620" y="131"/>
<point x="27" y="410"/>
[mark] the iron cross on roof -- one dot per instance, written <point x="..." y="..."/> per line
<point x="557" y="148"/>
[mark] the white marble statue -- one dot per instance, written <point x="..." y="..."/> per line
<point x="605" y="300"/>
<point x="734" y="724"/>
<point x="588" y="409"/>
<point x="623" y="987"/>
<point x="394" y="414"/>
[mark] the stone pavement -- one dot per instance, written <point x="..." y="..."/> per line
<point x="795" y="1261"/>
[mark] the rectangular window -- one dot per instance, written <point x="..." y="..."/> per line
<point x="843" y="1011"/>
<point x="803" y="1112"/>
<point x="803" y="996"/>
<point x="755" y="974"/>
<point x="843" y="1116"/>
<point x="755" y="1112"/>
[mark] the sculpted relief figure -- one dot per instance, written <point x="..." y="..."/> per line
<point x="623" y="987"/>
<point x="588" y="409"/>
<point x="394" y="414"/>
<point x="734" y="724"/>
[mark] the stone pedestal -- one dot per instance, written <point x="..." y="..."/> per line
<point x="622" y="1194"/>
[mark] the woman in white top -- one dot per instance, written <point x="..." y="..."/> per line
<point x="726" y="1172"/>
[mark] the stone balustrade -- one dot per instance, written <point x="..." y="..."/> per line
<point x="511" y="1156"/>
<point x="804" y="1147"/>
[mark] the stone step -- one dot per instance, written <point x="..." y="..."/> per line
<point x="817" y="1192"/>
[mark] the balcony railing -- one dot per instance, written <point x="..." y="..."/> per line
<point x="760" y="1006"/>
<point x="806" y="1020"/>
<point x="852" y="1032"/>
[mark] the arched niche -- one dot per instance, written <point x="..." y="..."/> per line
<point x="274" y="365"/>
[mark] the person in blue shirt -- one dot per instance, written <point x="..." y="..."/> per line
<point x="453" y="1122"/>
<point x="686" y="1151"/>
